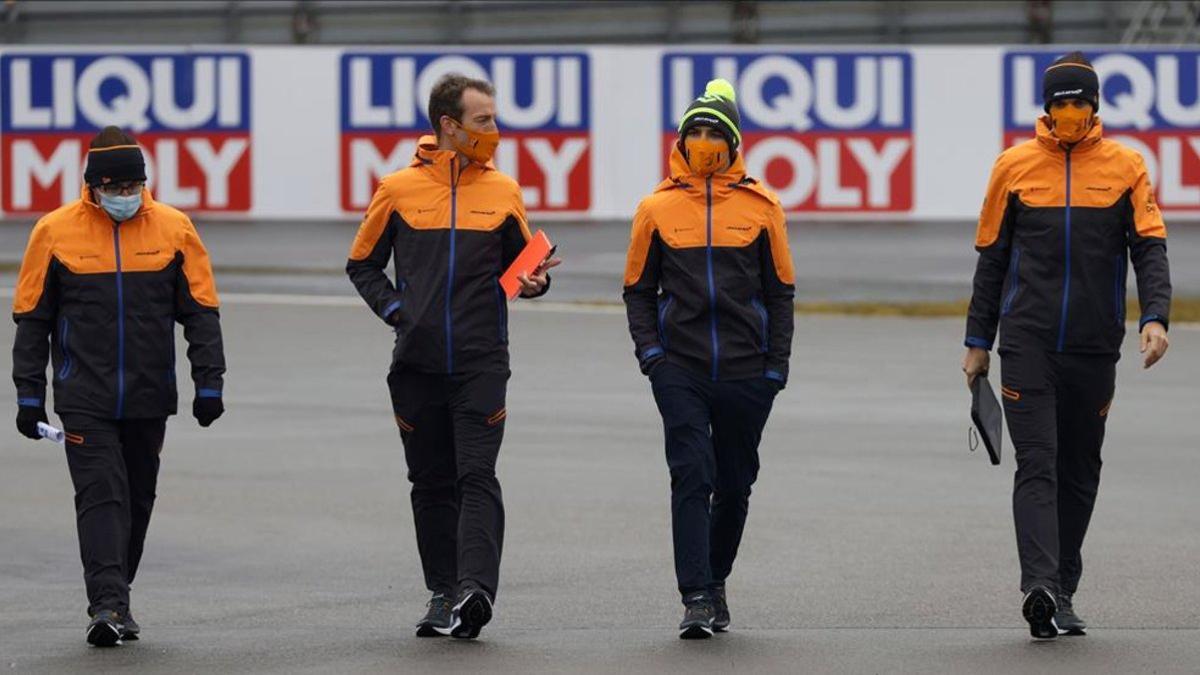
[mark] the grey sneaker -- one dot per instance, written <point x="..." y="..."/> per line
<point x="1039" y="609"/>
<point x="697" y="621"/>
<point x="1066" y="619"/>
<point x="471" y="614"/>
<point x="129" y="628"/>
<point x="720" y="609"/>
<point x="437" y="618"/>
<point x="105" y="629"/>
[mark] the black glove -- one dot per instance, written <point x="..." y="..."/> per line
<point x="207" y="409"/>
<point x="28" y="417"/>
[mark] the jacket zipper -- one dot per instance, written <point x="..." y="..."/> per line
<point x="1118" y="288"/>
<point x="762" y="315"/>
<point x="66" y="352"/>
<point x="450" y="267"/>
<point x="712" y="287"/>
<point x="120" y="323"/>
<point x="662" y="320"/>
<point x="1062" y="322"/>
<point x="501" y="318"/>
<point x="1013" y="271"/>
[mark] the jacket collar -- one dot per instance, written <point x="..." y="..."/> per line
<point x="1046" y="138"/>
<point x="148" y="203"/>
<point x="442" y="163"/>
<point x="723" y="182"/>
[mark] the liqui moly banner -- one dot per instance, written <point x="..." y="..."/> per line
<point x="190" y="111"/>
<point x="829" y="132"/>
<point x="1149" y="100"/>
<point x="542" y="109"/>
<point x="305" y="133"/>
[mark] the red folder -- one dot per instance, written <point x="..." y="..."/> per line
<point x="533" y="255"/>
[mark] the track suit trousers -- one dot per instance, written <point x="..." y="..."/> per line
<point x="114" y="468"/>
<point x="1056" y="405"/>
<point x="712" y="432"/>
<point x="452" y="427"/>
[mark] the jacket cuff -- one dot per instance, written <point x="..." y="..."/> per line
<point x="979" y="342"/>
<point x="776" y="376"/>
<point x="648" y="357"/>
<point x="1152" y="317"/>
<point x="30" y="402"/>
<point x="391" y="307"/>
<point x="208" y="393"/>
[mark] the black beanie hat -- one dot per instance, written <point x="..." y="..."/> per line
<point x="716" y="108"/>
<point x="114" y="157"/>
<point x="1067" y="79"/>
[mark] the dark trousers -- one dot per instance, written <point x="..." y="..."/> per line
<point x="114" y="467"/>
<point x="712" y="433"/>
<point x="452" y="427"/>
<point x="1056" y="406"/>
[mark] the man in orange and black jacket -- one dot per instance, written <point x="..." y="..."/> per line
<point x="452" y="224"/>
<point x="708" y="295"/>
<point x="1064" y="215"/>
<point x="102" y="284"/>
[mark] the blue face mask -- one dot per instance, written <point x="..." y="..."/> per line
<point x="120" y="207"/>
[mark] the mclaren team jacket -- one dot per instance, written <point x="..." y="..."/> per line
<point x="708" y="278"/>
<point x="452" y="231"/>
<point x="107" y="296"/>
<point x="1058" y="228"/>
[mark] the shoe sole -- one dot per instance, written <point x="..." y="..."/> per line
<point x="695" y="632"/>
<point x="1072" y="632"/>
<point x="720" y="627"/>
<point x="1039" y="610"/>
<point x="426" y="630"/>
<point x="103" y="635"/>
<point x="127" y="637"/>
<point x="471" y="615"/>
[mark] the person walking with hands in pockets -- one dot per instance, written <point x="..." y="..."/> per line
<point x="1065" y="213"/>
<point x="708" y="295"/>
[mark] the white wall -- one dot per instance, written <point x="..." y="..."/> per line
<point x="844" y="133"/>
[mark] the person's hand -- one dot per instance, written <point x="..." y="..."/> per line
<point x="1154" y="342"/>
<point x="532" y="284"/>
<point x="207" y="409"/>
<point x="28" y="417"/>
<point x="975" y="363"/>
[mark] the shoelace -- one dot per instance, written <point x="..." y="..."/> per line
<point x="1064" y="603"/>
<point x="439" y="601"/>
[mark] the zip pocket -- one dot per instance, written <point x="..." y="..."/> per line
<point x="64" y="329"/>
<point x="1013" y="267"/>
<point x="764" y="342"/>
<point x="1122" y="266"/>
<point x="502" y="315"/>
<point x="663" y="307"/>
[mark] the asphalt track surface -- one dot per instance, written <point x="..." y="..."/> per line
<point x="282" y="540"/>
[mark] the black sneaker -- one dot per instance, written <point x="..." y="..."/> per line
<point x="473" y="611"/>
<point x="437" y="619"/>
<point x="1039" y="609"/>
<point x="1066" y="619"/>
<point x="697" y="621"/>
<point x="105" y="629"/>
<point x="129" y="628"/>
<point x="720" y="609"/>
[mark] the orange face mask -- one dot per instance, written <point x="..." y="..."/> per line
<point x="480" y="145"/>
<point x="706" y="156"/>
<point x="1071" y="124"/>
